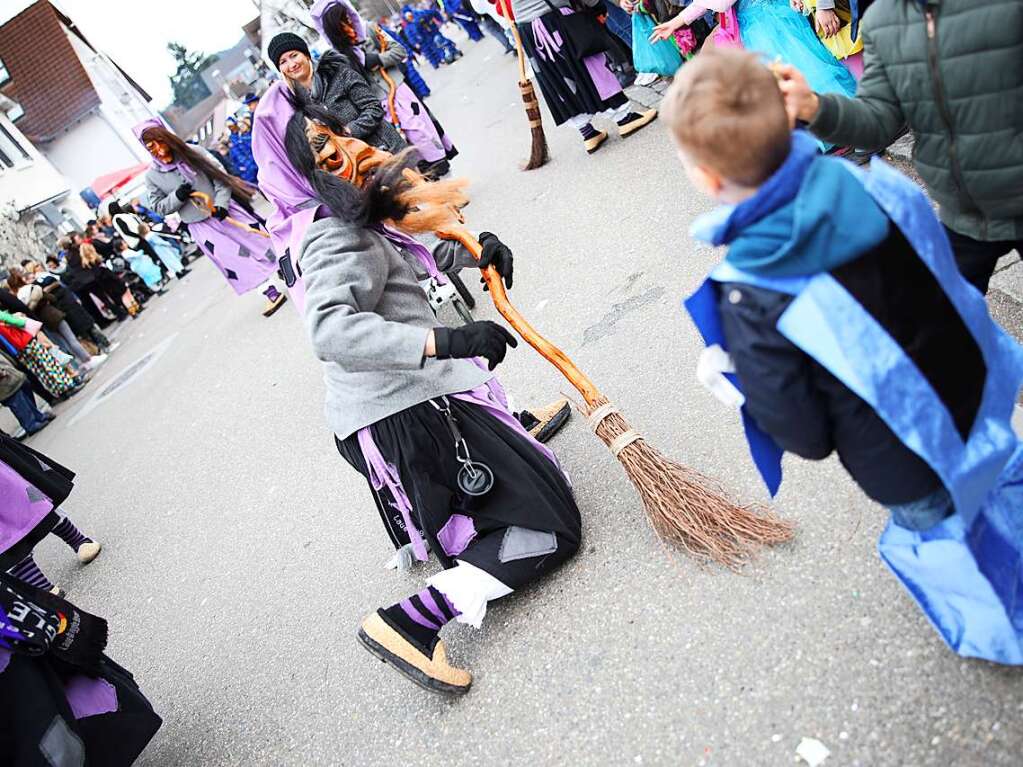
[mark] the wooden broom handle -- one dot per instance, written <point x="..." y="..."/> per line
<point x="547" y="350"/>
<point x="207" y="202"/>
<point x="506" y="6"/>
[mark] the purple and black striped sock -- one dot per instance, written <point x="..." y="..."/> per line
<point x="27" y="570"/>
<point x="422" y="615"/>
<point x="70" y="534"/>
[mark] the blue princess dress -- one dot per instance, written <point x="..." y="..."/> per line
<point x="772" y="28"/>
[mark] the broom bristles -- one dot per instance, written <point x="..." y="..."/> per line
<point x="538" y="152"/>
<point x="685" y="507"/>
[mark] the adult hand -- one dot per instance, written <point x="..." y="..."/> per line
<point x="796" y="5"/>
<point x="629" y="6"/>
<point x="800" y="101"/>
<point x="498" y="255"/>
<point x="667" y="29"/>
<point x="477" y="339"/>
<point x="183" y="191"/>
<point x="219" y="213"/>
<point x="828" y="23"/>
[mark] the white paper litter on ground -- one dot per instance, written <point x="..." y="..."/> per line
<point x="812" y="751"/>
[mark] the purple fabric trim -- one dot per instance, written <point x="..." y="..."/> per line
<point x="5" y="659"/>
<point x="382" y="474"/>
<point x="19" y="513"/>
<point x="456" y="535"/>
<point x="431" y="605"/>
<point x="90" y="697"/>
<point x="248" y="257"/>
<point x="548" y="44"/>
<point x="407" y="242"/>
<point x="451" y="605"/>
<point x="418" y="617"/>
<point x="419" y="128"/>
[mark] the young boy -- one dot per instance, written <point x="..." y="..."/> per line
<point x="839" y="323"/>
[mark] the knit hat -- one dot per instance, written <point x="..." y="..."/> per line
<point x="284" y="42"/>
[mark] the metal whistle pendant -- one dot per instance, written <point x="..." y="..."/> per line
<point x="474" y="478"/>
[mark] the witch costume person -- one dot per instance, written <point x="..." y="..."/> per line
<point x="245" y="258"/>
<point x="411" y="406"/>
<point x="62" y="700"/>
<point x="380" y="60"/>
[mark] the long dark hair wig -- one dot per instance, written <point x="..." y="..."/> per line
<point x="240" y="191"/>
<point x="377" y="199"/>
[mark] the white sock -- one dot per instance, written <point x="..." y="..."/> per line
<point x="469" y="589"/>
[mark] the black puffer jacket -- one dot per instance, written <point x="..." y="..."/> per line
<point x="811" y="413"/>
<point x="344" y="91"/>
<point x="952" y="70"/>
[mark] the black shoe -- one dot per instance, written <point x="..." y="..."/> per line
<point x="633" y="122"/>
<point x="183" y="273"/>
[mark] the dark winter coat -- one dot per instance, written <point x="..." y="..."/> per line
<point x="345" y="92"/>
<point x="952" y="70"/>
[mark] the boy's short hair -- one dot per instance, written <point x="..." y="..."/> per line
<point x="726" y="112"/>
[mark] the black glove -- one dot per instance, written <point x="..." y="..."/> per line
<point x="183" y="191"/>
<point x="219" y="213"/>
<point x="477" y="339"/>
<point x="496" y="254"/>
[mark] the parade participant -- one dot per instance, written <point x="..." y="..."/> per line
<point x="421" y="37"/>
<point x="245" y="258"/>
<point x="380" y="60"/>
<point x="464" y="17"/>
<point x="773" y="29"/>
<point x="239" y="144"/>
<point x="850" y="330"/>
<point x="335" y="82"/>
<point x="412" y="77"/>
<point x="432" y="19"/>
<point x="362" y="298"/>
<point x="575" y="78"/>
<point x="56" y="697"/>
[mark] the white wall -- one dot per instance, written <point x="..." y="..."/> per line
<point x="91" y="148"/>
<point x="34" y="180"/>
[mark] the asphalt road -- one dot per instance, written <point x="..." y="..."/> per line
<point x="241" y="552"/>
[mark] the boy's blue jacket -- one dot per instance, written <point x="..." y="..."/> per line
<point x="853" y="280"/>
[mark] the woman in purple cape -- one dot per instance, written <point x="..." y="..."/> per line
<point x="413" y="406"/>
<point x="59" y="694"/>
<point x="380" y="58"/>
<point x="245" y="258"/>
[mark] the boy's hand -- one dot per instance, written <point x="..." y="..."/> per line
<point x="800" y="101"/>
<point x="714" y="362"/>
<point x="629" y="6"/>
<point x="828" y="23"/>
<point x="796" y="5"/>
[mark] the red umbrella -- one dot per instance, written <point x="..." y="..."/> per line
<point x="110" y="182"/>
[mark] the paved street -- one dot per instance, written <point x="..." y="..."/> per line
<point x="241" y="552"/>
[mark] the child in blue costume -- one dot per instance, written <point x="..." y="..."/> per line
<point x="434" y="22"/>
<point x="420" y="36"/>
<point x="838" y="322"/>
<point x="464" y="17"/>
<point x="412" y="77"/>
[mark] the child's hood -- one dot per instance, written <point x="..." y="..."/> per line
<point x="811" y="216"/>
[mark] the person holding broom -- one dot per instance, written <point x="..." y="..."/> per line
<point x="567" y="51"/>
<point x="243" y="256"/>
<point x="838" y="322"/>
<point x="414" y="406"/>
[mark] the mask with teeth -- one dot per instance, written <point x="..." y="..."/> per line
<point x="431" y="205"/>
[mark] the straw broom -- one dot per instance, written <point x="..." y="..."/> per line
<point x="207" y="202"/>
<point x="684" y="507"/>
<point x="538" y="153"/>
